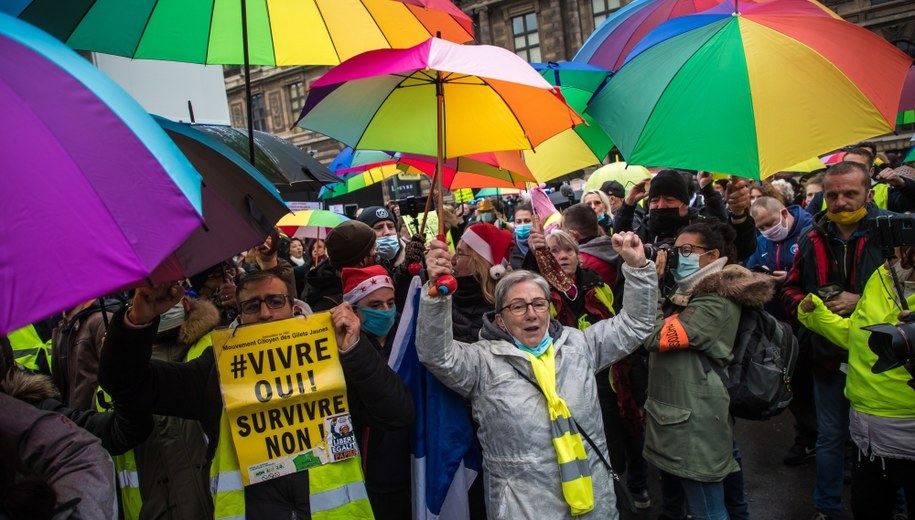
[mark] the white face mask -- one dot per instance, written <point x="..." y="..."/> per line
<point x="908" y="288"/>
<point x="779" y="231"/>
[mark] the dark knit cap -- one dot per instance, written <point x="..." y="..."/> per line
<point x="613" y="188"/>
<point x="348" y="243"/>
<point x="671" y="184"/>
<point x="375" y="214"/>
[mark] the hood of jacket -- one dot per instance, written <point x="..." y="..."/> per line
<point x="600" y="247"/>
<point x="322" y="280"/>
<point x="802" y="220"/>
<point x="493" y="332"/>
<point x="200" y="320"/>
<point x="738" y="284"/>
<point x="28" y="387"/>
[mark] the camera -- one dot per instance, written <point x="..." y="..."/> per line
<point x="894" y="346"/>
<point x="651" y="253"/>
<point x="894" y="231"/>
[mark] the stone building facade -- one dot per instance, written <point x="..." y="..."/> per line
<point x="537" y="30"/>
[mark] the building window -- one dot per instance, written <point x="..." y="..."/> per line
<point x="238" y="115"/>
<point x="277" y="111"/>
<point x="527" y="39"/>
<point x="601" y="9"/>
<point x="259" y="112"/>
<point x="296" y="100"/>
<point x="906" y="46"/>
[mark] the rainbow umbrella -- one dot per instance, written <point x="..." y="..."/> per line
<point x="357" y="180"/>
<point x="497" y="192"/>
<point x="265" y="32"/>
<point x="310" y="223"/>
<point x="625" y="174"/>
<point x="810" y="165"/>
<point x="620" y="32"/>
<point x="833" y="158"/>
<point x="574" y="148"/>
<point x="436" y="98"/>
<point x="82" y="160"/>
<point x="699" y="91"/>
<point x="909" y="157"/>
<point x="482" y="170"/>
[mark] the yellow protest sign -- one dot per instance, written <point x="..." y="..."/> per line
<point x="285" y="396"/>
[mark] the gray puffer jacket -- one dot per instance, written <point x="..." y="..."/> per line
<point x="521" y="466"/>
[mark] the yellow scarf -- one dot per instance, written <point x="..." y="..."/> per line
<point x="574" y="470"/>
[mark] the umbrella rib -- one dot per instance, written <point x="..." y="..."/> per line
<point x="512" y="112"/>
<point x="78" y="22"/>
<point x="375" y="21"/>
<point x="667" y="86"/>
<point x="327" y="29"/>
<point x="269" y="25"/>
<point x="145" y="25"/>
<point x="206" y="55"/>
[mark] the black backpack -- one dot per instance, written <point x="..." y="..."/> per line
<point x="759" y="377"/>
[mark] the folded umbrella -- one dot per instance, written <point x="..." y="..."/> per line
<point x="280" y="161"/>
<point x="240" y="206"/>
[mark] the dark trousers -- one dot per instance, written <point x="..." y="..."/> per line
<point x="875" y="484"/>
<point x="802" y="406"/>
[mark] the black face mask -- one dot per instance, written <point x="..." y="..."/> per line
<point x="666" y="222"/>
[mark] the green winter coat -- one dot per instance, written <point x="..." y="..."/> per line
<point x="688" y="424"/>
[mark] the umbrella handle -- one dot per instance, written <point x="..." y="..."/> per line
<point x="444" y="284"/>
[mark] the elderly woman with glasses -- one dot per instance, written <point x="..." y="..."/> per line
<point x="531" y="385"/>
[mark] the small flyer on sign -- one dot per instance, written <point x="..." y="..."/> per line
<point x="342" y="438"/>
<point x="285" y="396"/>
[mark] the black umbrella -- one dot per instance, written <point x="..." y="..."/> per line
<point x="282" y="162"/>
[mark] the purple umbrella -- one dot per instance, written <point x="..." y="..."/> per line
<point x="95" y="195"/>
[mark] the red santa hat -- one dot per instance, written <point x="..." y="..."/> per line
<point x="492" y="244"/>
<point x="359" y="282"/>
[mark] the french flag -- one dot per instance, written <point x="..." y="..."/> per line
<point x="446" y="455"/>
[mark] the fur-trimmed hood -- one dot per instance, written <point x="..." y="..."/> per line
<point x="201" y="318"/>
<point x="28" y="387"/>
<point x="738" y="284"/>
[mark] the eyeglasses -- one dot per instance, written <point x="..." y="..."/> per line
<point x="687" y="249"/>
<point x="459" y="253"/>
<point x="253" y="306"/>
<point x="519" y="307"/>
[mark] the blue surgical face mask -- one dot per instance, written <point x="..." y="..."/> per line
<point x="378" y="323"/>
<point x="488" y="217"/>
<point x="388" y="246"/>
<point x="539" y="349"/>
<point x="522" y="231"/>
<point x="687" y="265"/>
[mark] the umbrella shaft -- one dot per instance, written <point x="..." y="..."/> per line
<point x="247" y="64"/>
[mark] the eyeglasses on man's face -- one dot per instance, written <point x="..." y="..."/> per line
<point x="253" y="306"/>
<point x="519" y="307"/>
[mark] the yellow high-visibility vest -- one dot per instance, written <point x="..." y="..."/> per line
<point x="336" y="491"/>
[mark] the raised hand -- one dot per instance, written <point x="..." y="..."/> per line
<point x="438" y="259"/>
<point x="629" y="246"/>
<point x="149" y="302"/>
<point x="537" y="239"/>
<point x="638" y="192"/>
<point x="738" y="199"/>
<point x="347" y="326"/>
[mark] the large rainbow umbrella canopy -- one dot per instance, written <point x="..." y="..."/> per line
<point x="280" y="32"/>
<point x="751" y="93"/>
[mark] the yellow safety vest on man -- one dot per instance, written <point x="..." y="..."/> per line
<point x="336" y="491"/>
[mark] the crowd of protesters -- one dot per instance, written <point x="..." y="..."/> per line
<point x="581" y="346"/>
